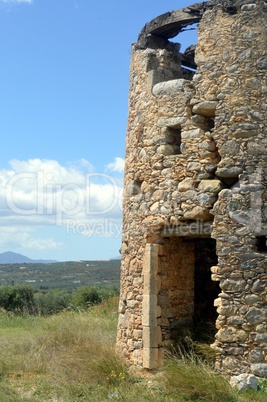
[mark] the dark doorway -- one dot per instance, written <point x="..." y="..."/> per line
<point x="205" y="290"/>
<point x="187" y="293"/>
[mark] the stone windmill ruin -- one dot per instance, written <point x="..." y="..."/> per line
<point x="195" y="206"/>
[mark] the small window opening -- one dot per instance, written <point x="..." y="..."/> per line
<point x="134" y="188"/>
<point x="137" y="187"/>
<point x="230" y="182"/>
<point x="210" y="122"/>
<point x="174" y="138"/>
<point x="261" y="244"/>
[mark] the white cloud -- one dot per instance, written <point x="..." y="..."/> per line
<point x="116" y="166"/>
<point x="11" y="238"/>
<point x="37" y="194"/>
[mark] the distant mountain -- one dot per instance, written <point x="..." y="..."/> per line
<point x="14" y="258"/>
<point x="116" y="258"/>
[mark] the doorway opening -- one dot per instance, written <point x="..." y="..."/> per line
<point x="187" y="293"/>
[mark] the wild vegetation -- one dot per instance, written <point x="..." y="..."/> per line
<point x="24" y="299"/>
<point x="70" y="356"/>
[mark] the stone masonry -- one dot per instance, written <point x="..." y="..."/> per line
<point x="194" y="245"/>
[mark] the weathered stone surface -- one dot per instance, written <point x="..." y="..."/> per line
<point x="260" y="285"/>
<point x="231" y="285"/>
<point x="231" y="335"/>
<point x="248" y="7"/>
<point x="252" y="299"/>
<point x="256" y="315"/>
<point x="166" y="150"/>
<point x="235" y="320"/>
<point x="244" y="382"/>
<point x="187" y="184"/>
<point x="210" y="186"/>
<point x="195" y="168"/>
<point x="259" y="369"/>
<point x="262" y="63"/>
<point x="173" y="122"/>
<point x="169" y="87"/>
<point x="229" y="148"/>
<point x="232" y="171"/>
<point x="198" y="213"/>
<point x="194" y="133"/>
<point x="206" y="200"/>
<point x="256" y="356"/>
<point x="205" y="108"/>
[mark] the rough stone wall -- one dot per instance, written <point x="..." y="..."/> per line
<point x="196" y="167"/>
<point x="232" y="63"/>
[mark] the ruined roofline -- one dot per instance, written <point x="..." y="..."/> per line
<point x="170" y="24"/>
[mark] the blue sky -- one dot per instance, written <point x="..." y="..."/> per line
<point x="64" y="67"/>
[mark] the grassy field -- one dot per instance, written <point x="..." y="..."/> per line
<point x="62" y="275"/>
<point x="70" y="357"/>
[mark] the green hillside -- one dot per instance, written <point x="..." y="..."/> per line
<point x="62" y="275"/>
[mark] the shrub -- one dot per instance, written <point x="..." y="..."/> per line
<point x="24" y="299"/>
<point x="86" y="296"/>
<point x="17" y="298"/>
<point x="108" y="292"/>
<point x="51" y="302"/>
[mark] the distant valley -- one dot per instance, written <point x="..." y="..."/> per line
<point x="41" y="274"/>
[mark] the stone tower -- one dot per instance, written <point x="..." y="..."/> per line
<point x="194" y="249"/>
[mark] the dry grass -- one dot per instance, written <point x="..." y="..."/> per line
<point x="196" y="381"/>
<point x="71" y="357"/>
